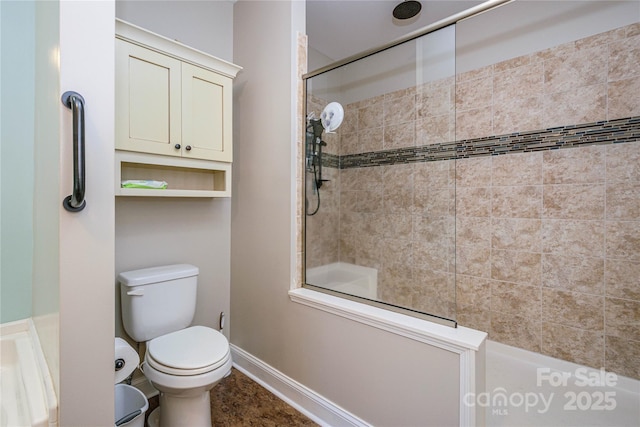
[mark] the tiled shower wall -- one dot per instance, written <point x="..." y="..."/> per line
<point x="546" y="243"/>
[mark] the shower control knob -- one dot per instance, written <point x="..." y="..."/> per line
<point x="177" y="146"/>
<point x="188" y="147"/>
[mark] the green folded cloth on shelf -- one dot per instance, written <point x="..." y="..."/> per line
<point x="144" y="183"/>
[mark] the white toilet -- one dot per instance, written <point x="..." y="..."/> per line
<point x="183" y="362"/>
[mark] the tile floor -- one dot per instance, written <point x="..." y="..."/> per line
<point x="238" y="401"/>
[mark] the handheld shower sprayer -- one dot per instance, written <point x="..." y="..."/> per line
<point x="329" y="121"/>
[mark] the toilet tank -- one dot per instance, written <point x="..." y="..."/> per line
<point x="158" y="300"/>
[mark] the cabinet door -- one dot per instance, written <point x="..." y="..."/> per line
<point x="147" y="100"/>
<point x="206" y="114"/>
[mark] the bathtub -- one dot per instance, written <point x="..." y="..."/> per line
<point x="346" y="278"/>
<point x="529" y="389"/>
<point x="27" y="396"/>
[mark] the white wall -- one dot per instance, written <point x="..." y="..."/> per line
<point x="86" y="238"/>
<point x="151" y="231"/>
<point x="383" y="378"/>
<point x="203" y="25"/>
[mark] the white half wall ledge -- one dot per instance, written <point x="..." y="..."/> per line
<point x="468" y="344"/>
<point x="448" y="338"/>
<point x="314" y="406"/>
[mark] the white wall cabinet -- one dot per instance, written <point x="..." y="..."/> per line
<point x="172" y="100"/>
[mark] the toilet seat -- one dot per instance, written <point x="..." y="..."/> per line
<point x="192" y="351"/>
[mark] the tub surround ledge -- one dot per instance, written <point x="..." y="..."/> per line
<point x="469" y="344"/>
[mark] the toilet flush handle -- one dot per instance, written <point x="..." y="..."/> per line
<point x="136" y="292"/>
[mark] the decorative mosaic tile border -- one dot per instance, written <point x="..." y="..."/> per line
<point x="330" y="160"/>
<point x="604" y="132"/>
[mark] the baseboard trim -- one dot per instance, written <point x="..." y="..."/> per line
<point x="311" y="404"/>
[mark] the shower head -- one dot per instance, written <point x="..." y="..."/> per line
<point x="407" y="9"/>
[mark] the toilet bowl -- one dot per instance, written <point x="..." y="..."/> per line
<point x="182" y="362"/>
<point x="184" y="366"/>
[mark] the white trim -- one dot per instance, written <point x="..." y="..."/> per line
<point x="311" y="404"/>
<point x="463" y="341"/>
<point x="145" y="38"/>
<point x="458" y="339"/>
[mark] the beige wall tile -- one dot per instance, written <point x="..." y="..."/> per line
<point x="433" y="256"/>
<point x="474" y="172"/>
<point x="572" y="344"/>
<point x="623" y="162"/>
<point x="623" y="240"/>
<point x="518" y="113"/>
<point x="517" y="169"/>
<point x="573" y="201"/>
<point x="622" y="98"/>
<point x="396" y="251"/>
<point x="434" y="292"/>
<point x="621" y="357"/>
<point x="399" y="136"/>
<point x="517" y="331"/>
<point x="369" y="200"/>
<point x="371" y="116"/>
<point x="584" y="67"/>
<point x="473" y="292"/>
<point x="623" y="318"/>
<point x="350" y="120"/>
<point x="516" y="299"/>
<point x="349" y="144"/>
<point x="397" y="225"/>
<point x="473" y="302"/>
<point x="622" y="279"/>
<point x="474" y="123"/>
<point x="624" y="57"/>
<point x="474" y="231"/>
<point x="571" y="237"/>
<point x="371" y="139"/>
<point x="434" y="201"/>
<point x="573" y="309"/>
<point x="473" y="261"/>
<point x="573" y="273"/>
<point x="516" y="234"/>
<point x="516" y="267"/>
<point x="521" y="82"/>
<point x="632" y="30"/>
<point x="623" y="201"/>
<point x="398" y="195"/>
<point x="474" y="94"/>
<point x="574" y="166"/>
<point x="585" y="104"/>
<point x="436" y="99"/>
<point x="516" y="201"/>
<point x="437" y="230"/>
<point x="401" y="109"/>
<point x="435" y="130"/>
<point x="473" y="201"/>
<point x="370" y="178"/>
<point x="434" y="174"/>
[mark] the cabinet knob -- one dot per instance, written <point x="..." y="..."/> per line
<point x="177" y="146"/>
<point x="188" y="147"/>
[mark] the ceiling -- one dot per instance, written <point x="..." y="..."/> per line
<point x="342" y="28"/>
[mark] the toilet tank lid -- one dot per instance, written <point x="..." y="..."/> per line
<point x="157" y="274"/>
